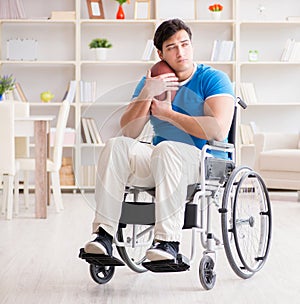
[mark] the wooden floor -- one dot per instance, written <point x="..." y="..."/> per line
<point x="39" y="264"/>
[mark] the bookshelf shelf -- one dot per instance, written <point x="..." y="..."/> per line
<point x="115" y="21"/>
<point x="275" y="104"/>
<point x="67" y="57"/>
<point x="117" y="62"/>
<point x="258" y="63"/>
<point x="44" y="21"/>
<point x="93" y="146"/>
<point x="39" y="62"/>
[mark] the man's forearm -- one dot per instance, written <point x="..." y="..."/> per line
<point x="135" y="117"/>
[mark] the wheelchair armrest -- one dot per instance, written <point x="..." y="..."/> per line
<point x="220" y="144"/>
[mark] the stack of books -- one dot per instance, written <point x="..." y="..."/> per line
<point x="12" y="9"/>
<point x="88" y="175"/>
<point x="89" y="131"/>
<point x="247" y="132"/>
<point x="291" y="51"/>
<point x="248" y="93"/>
<point x="87" y="91"/>
<point x="148" y="51"/>
<point x="222" y="50"/>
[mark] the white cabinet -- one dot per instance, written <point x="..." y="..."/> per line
<point x="64" y="55"/>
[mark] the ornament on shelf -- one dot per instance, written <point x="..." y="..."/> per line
<point x="216" y="11"/>
<point x="253" y="55"/>
<point x="261" y="9"/>
<point x="120" y="13"/>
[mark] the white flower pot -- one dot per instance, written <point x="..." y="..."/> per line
<point x="101" y="53"/>
<point x="216" y="15"/>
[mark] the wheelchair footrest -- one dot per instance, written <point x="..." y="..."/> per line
<point x="100" y="259"/>
<point x="181" y="263"/>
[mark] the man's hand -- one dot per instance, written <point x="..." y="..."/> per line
<point x="157" y="85"/>
<point x="161" y="108"/>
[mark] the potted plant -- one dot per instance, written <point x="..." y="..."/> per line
<point x="216" y="10"/>
<point x="100" y="45"/>
<point x="7" y="84"/>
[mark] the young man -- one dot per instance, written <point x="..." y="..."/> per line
<point x="201" y="110"/>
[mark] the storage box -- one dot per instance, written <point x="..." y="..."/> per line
<point x="63" y="15"/>
<point x="69" y="137"/>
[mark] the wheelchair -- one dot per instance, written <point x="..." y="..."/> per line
<point x="241" y="199"/>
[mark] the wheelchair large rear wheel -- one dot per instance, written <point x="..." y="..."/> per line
<point x="137" y="239"/>
<point x="246" y="222"/>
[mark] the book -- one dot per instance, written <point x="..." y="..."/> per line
<point x="20" y="92"/>
<point x="91" y="130"/>
<point x="148" y="50"/>
<point x="88" y="91"/>
<point x="291" y="51"/>
<point x="295" y="52"/>
<point x="222" y="50"/>
<point x="246" y="134"/>
<point x="85" y="134"/>
<point x="71" y="91"/>
<point x="95" y="131"/>
<point x="287" y="49"/>
<point x="254" y="127"/>
<point x="248" y="92"/>
<point x="12" y="9"/>
<point x="293" y="18"/>
<point x="88" y="175"/>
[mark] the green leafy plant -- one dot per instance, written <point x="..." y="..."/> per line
<point x="122" y="1"/>
<point x="100" y="43"/>
<point x="7" y="83"/>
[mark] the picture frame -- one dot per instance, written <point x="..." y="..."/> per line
<point x="95" y="9"/>
<point x="166" y="9"/>
<point x="142" y="9"/>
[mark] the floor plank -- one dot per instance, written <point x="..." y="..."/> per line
<point x="39" y="264"/>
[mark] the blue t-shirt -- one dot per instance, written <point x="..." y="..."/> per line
<point x="205" y="82"/>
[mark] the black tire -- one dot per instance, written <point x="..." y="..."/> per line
<point x="134" y="256"/>
<point x="246" y="222"/>
<point x="101" y="274"/>
<point x="207" y="274"/>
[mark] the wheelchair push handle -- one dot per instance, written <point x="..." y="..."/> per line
<point x="241" y="102"/>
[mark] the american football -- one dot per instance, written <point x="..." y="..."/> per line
<point x="159" y="68"/>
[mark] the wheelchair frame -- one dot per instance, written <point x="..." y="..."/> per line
<point x="245" y="216"/>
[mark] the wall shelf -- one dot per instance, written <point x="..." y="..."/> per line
<point x="66" y="56"/>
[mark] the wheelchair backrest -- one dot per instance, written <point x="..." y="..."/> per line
<point x="232" y="131"/>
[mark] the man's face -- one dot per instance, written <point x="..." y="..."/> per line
<point x="178" y="52"/>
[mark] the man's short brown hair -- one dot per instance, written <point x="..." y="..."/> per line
<point x="167" y="29"/>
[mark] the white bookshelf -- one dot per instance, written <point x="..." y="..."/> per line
<point x="63" y="55"/>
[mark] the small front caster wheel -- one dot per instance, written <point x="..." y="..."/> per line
<point x="206" y="272"/>
<point x="101" y="274"/>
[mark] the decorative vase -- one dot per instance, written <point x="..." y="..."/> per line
<point x="120" y="13"/>
<point x="101" y="53"/>
<point x="216" y="15"/>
